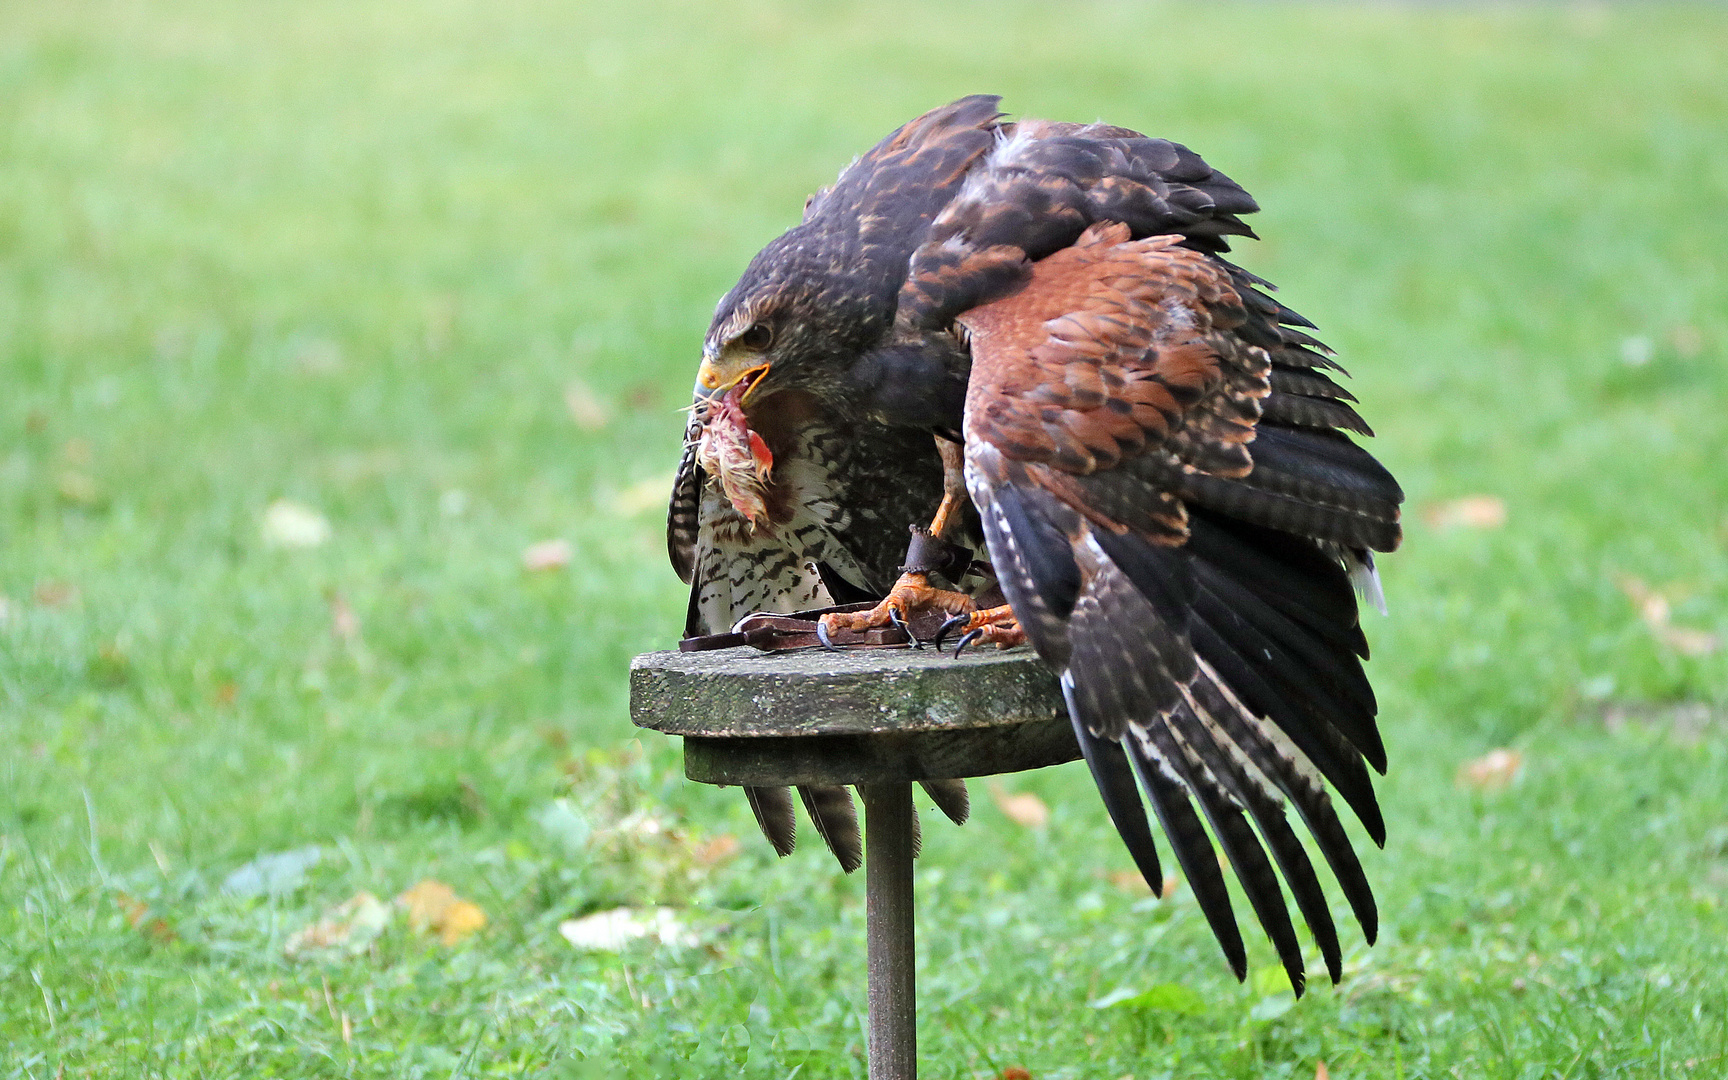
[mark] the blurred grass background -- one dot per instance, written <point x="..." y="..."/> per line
<point x="355" y="255"/>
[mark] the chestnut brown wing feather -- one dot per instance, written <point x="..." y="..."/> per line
<point x="1199" y="645"/>
<point x="1114" y="350"/>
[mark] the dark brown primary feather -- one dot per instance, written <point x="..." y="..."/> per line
<point x="1160" y="542"/>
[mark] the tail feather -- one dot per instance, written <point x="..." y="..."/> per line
<point x="773" y="809"/>
<point x="950" y="797"/>
<point x="836" y="819"/>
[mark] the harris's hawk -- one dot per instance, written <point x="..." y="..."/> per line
<point x="1030" y="329"/>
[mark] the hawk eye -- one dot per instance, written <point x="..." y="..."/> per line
<point x="757" y="338"/>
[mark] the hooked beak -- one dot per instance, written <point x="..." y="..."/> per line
<point x="718" y="378"/>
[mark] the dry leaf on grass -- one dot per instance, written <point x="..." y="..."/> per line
<point x="1130" y="882"/>
<point x="1654" y="608"/>
<point x="1469" y="512"/>
<point x="1687" y="341"/>
<point x="138" y="917"/>
<point x="584" y="405"/>
<point x="1689" y="642"/>
<point x="611" y="931"/>
<point x="547" y="555"/>
<point x="344" y="624"/>
<point x="716" y="850"/>
<point x="78" y="488"/>
<point x="642" y="496"/>
<point x="1022" y="809"/>
<point x="288" y="524"/>
<point x="54" y="594"/>
<point x="1493" y="771"/>
<point x="1321" y="1072"/>
<point x="1015" y="1072"/>
<point x="317" y="356"/>
<point x="433" y="906"/>
<point x="349" y="928"/>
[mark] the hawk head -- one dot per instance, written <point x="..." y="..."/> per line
<point x="797" y="320"/>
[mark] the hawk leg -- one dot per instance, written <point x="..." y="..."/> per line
<point x="930" y="552"/>
<point x="913" y="594"/>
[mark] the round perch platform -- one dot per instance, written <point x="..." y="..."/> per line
<point x="876" y="718"/>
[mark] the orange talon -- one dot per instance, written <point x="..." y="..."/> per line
<point x="995" y="625"/>
<point x="912" y="599"/>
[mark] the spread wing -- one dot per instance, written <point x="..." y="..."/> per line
<point x="1172" y="548"/>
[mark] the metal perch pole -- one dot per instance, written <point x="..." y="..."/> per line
<point x="891" y="936"/>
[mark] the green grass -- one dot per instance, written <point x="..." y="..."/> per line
<point x="351" y="254"/>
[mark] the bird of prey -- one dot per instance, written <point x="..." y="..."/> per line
<point x="1130" y="456"/>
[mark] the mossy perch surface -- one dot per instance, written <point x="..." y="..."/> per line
<point x="854" y="716"/>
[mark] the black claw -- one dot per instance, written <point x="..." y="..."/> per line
<point x="948" y="627"/>
<point x="822" y="636"/>
<point x="960" y="646"/>
<point x="899" y="620"/>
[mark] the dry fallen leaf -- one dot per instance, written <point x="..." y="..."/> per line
<point x="463" y="919"/>
<point x="1015" y="1072"/>
<point x="611" y="931"/>
<point x="585" y="406"/>
<point x="1493" y="771"/>
<point x="53" y="594"/>
<point x="1129" y="881"/>
<point x="1469" y="512"/>
<point x="434" y="906"/>
<point x="716" y="850"/>
<point x="1321" y="1072"/>
<point x="290" y="524"/>
<point x="1687" y="341"/>
<point x="137" y="914"/>
<point x="317" y="356"/>
<point x="344" y="624"/>
<point x="642" y="496"/>
<point x="547" y="555"/>
<point x="1022" y="809"/>
<point x="78" y="487"/>
<point x="1689" y="642"/>
<point x="1654" y="608"/>
<point x="350" y="927"/>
